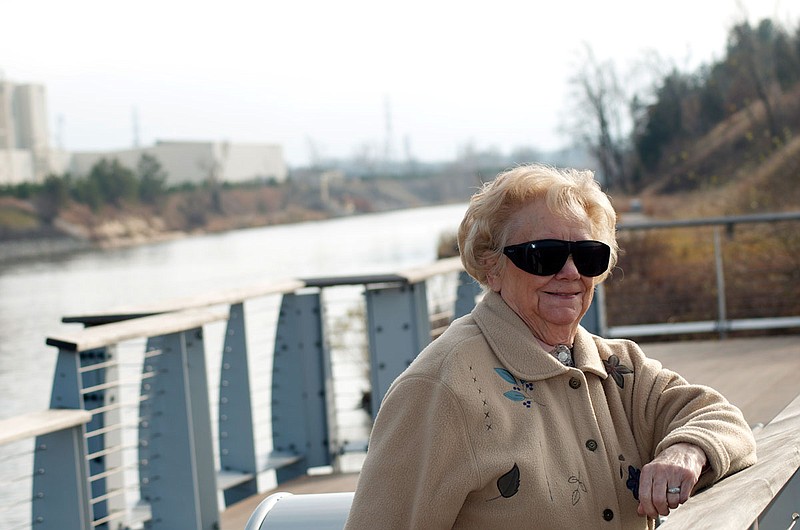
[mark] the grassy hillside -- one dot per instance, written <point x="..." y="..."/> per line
<point x="735" y="168"/>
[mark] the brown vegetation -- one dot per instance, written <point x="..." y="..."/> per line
<point x="737" y="168"/>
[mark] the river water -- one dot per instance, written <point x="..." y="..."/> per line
<point x="35" y="295"/>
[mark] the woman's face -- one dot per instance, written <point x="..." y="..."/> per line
<point x="551" y="306"/>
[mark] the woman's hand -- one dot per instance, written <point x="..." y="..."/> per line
<point x="677" y="467"/>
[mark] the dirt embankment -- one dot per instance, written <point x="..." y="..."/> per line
<point x="25" y="233"/>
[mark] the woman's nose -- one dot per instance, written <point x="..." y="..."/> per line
<point x="569" y="270"/>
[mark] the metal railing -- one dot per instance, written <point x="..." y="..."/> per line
<point x="722" y="305"/>
<point x="185" y="407"/>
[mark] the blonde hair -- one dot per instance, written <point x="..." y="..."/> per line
<point x="568" y="193"/>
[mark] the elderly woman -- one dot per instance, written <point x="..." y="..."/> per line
<point x="517" y="416"/>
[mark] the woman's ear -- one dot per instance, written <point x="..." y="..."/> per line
<point x="494" y="278"/>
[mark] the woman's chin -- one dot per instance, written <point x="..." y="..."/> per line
<point x="563" y="317"/>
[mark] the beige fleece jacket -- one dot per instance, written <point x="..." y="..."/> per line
<point x="486" y="430"/>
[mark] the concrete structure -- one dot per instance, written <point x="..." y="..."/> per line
<point x="26" y="155"/>
<point x="24" y="136"/>
<point x="197" y="162"/>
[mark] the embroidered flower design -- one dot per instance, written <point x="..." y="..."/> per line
<point x="633" y="481"/>
<point x="521" y="389"/>
<point x="616" y="370"/>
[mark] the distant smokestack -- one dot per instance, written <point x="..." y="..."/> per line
<point x="387" y="146"/>
<point x="135" y="120"/>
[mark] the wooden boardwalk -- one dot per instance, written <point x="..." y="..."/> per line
<point x="759" y="375"/>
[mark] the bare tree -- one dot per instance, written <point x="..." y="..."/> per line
<point x="599" y="108"/>
<point x="751" y="49"/>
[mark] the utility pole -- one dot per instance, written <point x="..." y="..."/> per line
<point x="135" y="118"/>
<point x="387" y="146"/>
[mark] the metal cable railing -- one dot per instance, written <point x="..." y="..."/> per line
<point x="714" y="276"/>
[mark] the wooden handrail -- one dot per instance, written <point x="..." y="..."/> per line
<point x="738" y="501"/>
<point x="40" y="422"/>
<point x="150" y="326"/>
<point x="443" y="266"/>
<point x="225" y="296"/>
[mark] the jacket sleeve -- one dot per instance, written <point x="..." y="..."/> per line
<point x="669" y="410"/>
<point x="420" y="465"/>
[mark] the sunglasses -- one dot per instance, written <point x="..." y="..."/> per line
<point x="546" y="257"/>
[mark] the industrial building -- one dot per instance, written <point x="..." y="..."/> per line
<point x="24" y="138"/>
<point x="26" y="154"/>
<point x="198" y="161"/>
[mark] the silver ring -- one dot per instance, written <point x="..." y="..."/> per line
<point x="675" y="490"/>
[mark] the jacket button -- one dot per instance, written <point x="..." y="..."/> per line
<point x="591" y="445"/>
<point x="574" y="382"/>
<point x="608" y="514"/>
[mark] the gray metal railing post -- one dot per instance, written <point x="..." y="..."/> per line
<point x="299" y="387"/>
<point x="595" y="318"/>
<point x="60" y="475"/>
<point x="466" y="292"/>
<point x="97" y="443"/>
<point x="176" y="458"/>
<point x="722" y="313"/>
<point x="398" y="329"/>
<point x="785" y="503"/>
<point x="237" y="450"/>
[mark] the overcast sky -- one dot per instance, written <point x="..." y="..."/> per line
<point x="339" y="77"/>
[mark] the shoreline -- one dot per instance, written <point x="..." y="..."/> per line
<point x="14" y="251"/>
<point x="17" y="250"/>
<point x="131" y="231"/>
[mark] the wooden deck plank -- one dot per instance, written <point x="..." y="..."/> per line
<point x="758" y="375"/>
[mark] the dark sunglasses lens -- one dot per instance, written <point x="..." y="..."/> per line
<point x="545" y="258"/>
<point x="541" y="258"/>
<point x="591" y="257"/>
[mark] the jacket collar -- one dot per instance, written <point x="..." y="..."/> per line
<point x="518" y="350"/>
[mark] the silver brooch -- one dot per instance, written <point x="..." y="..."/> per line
<point x="563" y="354"/>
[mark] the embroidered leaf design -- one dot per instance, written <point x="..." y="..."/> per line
<point x="576" y="480"/>
<point x="508" y="484"/>
<point x="576" y="496"/>
<point x="505" y="374"/>
<point x="576" y="493"/>
<point x="521" y="391"/>
<point x="616" y="370"/>
<point x="514" y="395"/>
